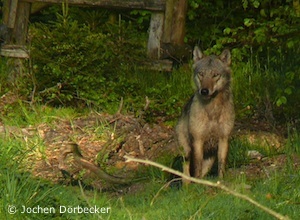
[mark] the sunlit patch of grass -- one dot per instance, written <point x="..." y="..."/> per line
<point x="152" y="199"/>
<point x="23" y="114"/>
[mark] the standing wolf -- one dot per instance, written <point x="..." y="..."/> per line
<point x="208" y="118"/>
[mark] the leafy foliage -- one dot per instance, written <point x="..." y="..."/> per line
<point x="73" y="62"/>
<point x="88" y="56"/>
<point x="262" y="36"/>
<point x="78" y="62"/>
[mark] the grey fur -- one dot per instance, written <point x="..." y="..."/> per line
<point x="207" y="120"/>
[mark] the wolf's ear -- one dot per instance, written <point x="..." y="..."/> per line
<point x="197" y="54"/>
<point x="226" y="57"/>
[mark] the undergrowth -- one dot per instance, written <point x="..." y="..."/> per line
<point x="77" y="67"/>
<point x="76" y="63"/>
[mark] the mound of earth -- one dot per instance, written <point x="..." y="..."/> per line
<point x="103" y="140"/>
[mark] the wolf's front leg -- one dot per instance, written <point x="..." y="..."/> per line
<point x="222" y="156"/>
<point x="197" y="157"/>
<point x="186" y="171"/>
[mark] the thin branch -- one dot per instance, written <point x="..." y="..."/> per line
<point x="147" y="103"/>
<point x="209" y="183"/>
<point x="74" y="148"/>
<point x="120" y="106"/>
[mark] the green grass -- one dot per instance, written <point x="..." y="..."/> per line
<point x="21" y="114"/>
<point x="152" y="199"/>
<point x="167" y="92"/>
<point x="266" y="85"/>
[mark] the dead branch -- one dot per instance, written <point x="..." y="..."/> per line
<point x="209" y="183"/>
<point x="74" y="148"/>
<point x="147" y="103"/>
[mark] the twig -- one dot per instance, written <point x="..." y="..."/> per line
<point x="209" y="183"/>
<point x="147" y="103"/>
<point x="120" y="106"/>
<point x="141" y="146"/>
<point x="162" y="188"/>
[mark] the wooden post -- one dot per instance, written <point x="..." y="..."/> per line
<point x="179" y="16"/>
<point x="18" y="18"/>
<point x="174" y="31"/>
<point x="12" y="13"/>
<point x="166" y="38"/>
<point x="5" y="11"/>
<point x="169" y="30"/>
<point x="21" y="24"/>
<point x="155" y="35"/>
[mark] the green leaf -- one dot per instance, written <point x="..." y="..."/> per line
<point x="282" y="100"/>
<point x="263" y="13"/>
<point x="288" y="91"/>
<point x="256" y="4"/>
<point x="290" y="44"/>
<point x="248" y="22"/>
<point x="245" y="4"/>
<point x="227" y="30"/>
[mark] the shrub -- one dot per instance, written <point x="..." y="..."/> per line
<point x="72" y="63"/>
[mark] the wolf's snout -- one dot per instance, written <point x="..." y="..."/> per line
<point x="204" y="92"/>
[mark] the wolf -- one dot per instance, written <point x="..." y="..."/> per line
<point x="204" y="128"/>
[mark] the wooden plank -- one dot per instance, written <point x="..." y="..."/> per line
<point x="152" y="5"/>
<point x="158" y="65"/>
<point x="14" y="52"/>
<point x="12" y="13"/>
<point x="36" y="7"/>
<point x="155" y="34"/>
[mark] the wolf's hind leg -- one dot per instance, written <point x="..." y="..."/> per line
<point x="207" y="165"/>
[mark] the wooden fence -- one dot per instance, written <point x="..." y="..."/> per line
<point x="166" y="31"/>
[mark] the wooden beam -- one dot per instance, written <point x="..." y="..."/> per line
<point x="36" y="7"/>
<point x="14" y="51"/>
<point x="151" y="5"/>
<point x="158" y="65"/>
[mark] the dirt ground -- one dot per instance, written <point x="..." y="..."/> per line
<point x="104" y="139"/>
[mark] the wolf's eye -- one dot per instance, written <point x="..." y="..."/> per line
<point x="216" y="75"/>
<point x="200" y="74"/>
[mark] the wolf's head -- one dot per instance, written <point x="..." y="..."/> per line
<point x="212" y="73"/>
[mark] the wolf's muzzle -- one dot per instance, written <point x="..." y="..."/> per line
<point x="204" y="92"/>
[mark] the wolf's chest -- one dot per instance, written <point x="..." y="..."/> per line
<point x="209" y="125"/>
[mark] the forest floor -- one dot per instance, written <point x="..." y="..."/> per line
<point x="103" y="140"/>
<point x="55" y="157"/>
